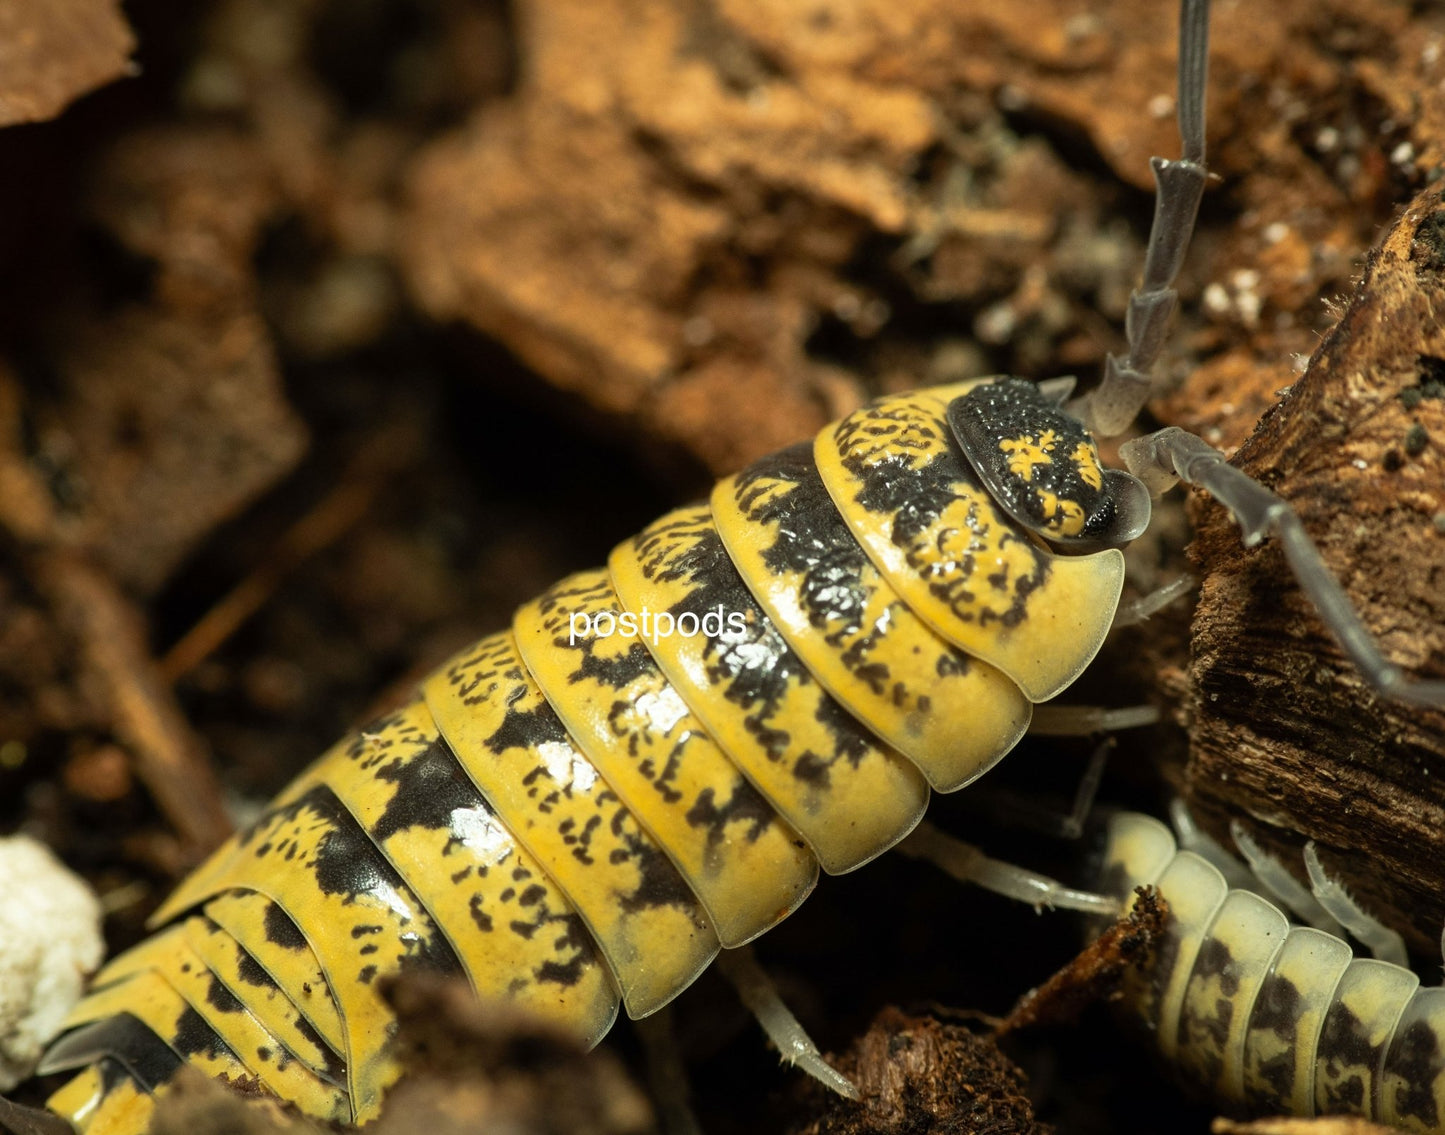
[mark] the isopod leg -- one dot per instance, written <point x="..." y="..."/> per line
<point x="1054" y="720"/>
<point x="1159" y="459"/>
<point x="1131" y="612"/>
<point x="760" y="995"/>
<point x="968" y="864"/>
<point x="1276" y="879"/>
<point x="1193" y="838"/>
<point x="1026" y="810"/>
<point x="1374" y="935"/>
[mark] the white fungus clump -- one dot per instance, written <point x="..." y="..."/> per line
<point x="49" y="941"/>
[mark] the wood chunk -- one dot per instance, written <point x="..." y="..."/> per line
<point x="1286" y="736"/>
<point x="1097" y="970"/>
<point x="51" y="53"/>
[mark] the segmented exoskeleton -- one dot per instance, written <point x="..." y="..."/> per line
<point x="577" y="819"/>
<point x="574" y="818"/>
<point x="1271" y="1017"/>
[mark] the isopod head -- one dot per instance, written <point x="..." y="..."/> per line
<point x="1042" y="466"/>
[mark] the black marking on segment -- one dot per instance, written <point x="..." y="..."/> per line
<point x="343" y="861"/>
<point x="614" y="673"/>
<point x="745" y="803"/>
<point x="812" y="540"/>
<point x="372" y="744"/>
<point x="528" y="729"/>
<point x="430" y="785"/>
<point x="752" y="667"/>
<point x="660" y="884"/>
<point x="915" y="498"/>
<point x="619" y="672"/>
<point x="249" y="970"/>
<point x="1345" y="1043"/>
<point x="124" y="1038"/>
<point x="571" y="939"/>
<point x="574" y="938"/>
<point x="1415" y="1057"/>
<point x="333" y="1065"/>
<point x="281" y="930"/>
<point x="476" y="677"/>
<point x="222" y="999"/>
<point x="194" y="1036"/>
<point x="558" y="973"/>
<point x="1212" y="1029"/>
<point x="1277" y="1010"/>
<point x="1215" y="960"/>
<point x="993" y="422"/>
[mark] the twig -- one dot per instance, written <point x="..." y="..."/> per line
<point x="170" y="759"/>
<point x="331" y="519"/>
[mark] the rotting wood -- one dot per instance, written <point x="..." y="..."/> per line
<point x="1285" y="735"/>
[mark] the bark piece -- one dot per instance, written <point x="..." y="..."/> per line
<point x="1285" y="733"/>
<point x="1098" y="969"/>
<point x="851" y="170"/>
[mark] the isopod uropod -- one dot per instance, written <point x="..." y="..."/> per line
<point x="578" y="820"/>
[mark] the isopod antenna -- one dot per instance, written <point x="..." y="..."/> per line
<point x="1127" y="384"/>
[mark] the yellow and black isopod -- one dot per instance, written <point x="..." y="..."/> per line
<point x="576" y="817"/>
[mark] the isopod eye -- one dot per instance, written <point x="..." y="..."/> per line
<point x="1042" y="467"/>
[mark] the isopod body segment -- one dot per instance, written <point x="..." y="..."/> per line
<point x="580" y="822"/>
